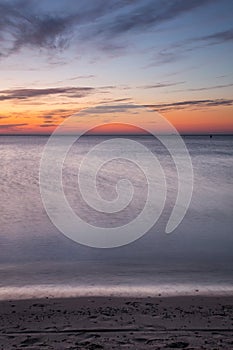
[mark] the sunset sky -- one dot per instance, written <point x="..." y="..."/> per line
<point x="60" y="56"/>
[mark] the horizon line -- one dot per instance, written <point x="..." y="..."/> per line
<point x="124" y="134"/>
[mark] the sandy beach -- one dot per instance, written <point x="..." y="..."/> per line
<point x="117" y="323"/>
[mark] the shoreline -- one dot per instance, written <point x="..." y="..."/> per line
<point x="62" y="291"/>
<point x="200" y="322"/>
<point x="173" y="296"/>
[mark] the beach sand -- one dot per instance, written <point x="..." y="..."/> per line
<point x="117" y="323"/>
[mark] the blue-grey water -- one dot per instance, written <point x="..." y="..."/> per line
<point x="37" y="260"/>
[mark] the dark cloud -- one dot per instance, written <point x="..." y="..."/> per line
<point x="179" y="50"/>
<point x="150" y="13"/>
<point x="30" y="23"/>
<point x="161" y="85"/>
<point x="55" y="115"/>
<point x="191" y="103"/>
<point x="12" y="126"/>
<point x="79" y="77"/>
<point x="167" y="56"/>
<point x="116" y="100"/>
<point x="218" y="37"/>
<point x="207" y="88"/>
<point x="122" y="99"/>
<point x="25" y="23"/>
<point x="105" y="109"/>
<point x="23" y="94"/>
<point x="124" y="107"/>
<point x="26" y="29"/>
<point x="48" y="117"/>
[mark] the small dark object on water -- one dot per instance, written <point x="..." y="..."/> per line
<point x="211" y="136"/>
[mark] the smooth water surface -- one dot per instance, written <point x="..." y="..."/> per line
<point x="37" y="260"/>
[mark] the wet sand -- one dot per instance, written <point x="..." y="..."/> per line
<point x="117" y="323"/>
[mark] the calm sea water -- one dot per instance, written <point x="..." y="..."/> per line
<point x="37" y="260"/>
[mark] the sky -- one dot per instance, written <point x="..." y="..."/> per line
<point x="58" y="57"/>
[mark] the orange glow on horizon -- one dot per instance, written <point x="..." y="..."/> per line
<point x="211" y="120"/>
<point x="219" y="120"/>
<point x="117" y="128"/>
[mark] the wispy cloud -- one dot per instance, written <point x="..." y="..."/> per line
<point x="207" y="88"/>
<point x="124" y="107"/>
<point x="28" y="25"/>
<point x="190" y="104"/>
<point x="11" y="126"/>
<point x="179" y="50"/>
<point x="160" y="107"/>
<point x="71" y="92"/>
<point x="148" y="14"/>
<point x="161" y="85"/>
<point x="53" y="116"/>
<point x="108" y="101"/>
<point x="25" y="24"/>
<point x="79" y="77"/>
<point x="110" y="108"/>
<point x="218" y="37"/>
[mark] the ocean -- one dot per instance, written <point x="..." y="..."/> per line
<point x="37" y="260"/>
